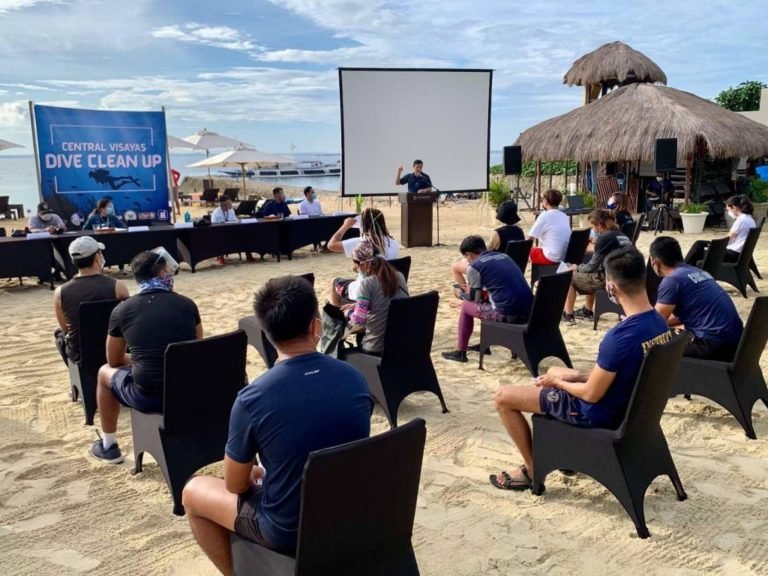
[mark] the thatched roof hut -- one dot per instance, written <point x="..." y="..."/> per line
<point x="625" y="124"/>
<point x="614" y="64"/>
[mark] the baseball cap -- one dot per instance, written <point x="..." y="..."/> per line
<point x="42" y="208"/>
<point x="83" y="247"/>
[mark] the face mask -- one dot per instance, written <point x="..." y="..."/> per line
<point x="110" y="210"/>
<point x="611" y="295"/>
<point x="314" y="195"/>
<point x="46" y="217"/>
<point x="611" y="205"/>
<point x="103" y="262"/>
<point x="659" y="178"/>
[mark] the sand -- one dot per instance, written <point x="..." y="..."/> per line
<point x="62" y="514"/>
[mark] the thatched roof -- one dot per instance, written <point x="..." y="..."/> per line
<point x="625" y="124"/>
<point x="614" y="64"/>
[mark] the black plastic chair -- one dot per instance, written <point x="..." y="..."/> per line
<point x="405" y="365"/>
<point x="713" y="259"/>
<point x="625" y="460"/>
<point x="520" y="251"/>
<point x="354" y="520"/>
<point x="737" y="273"/>
<point x="604" y="305"/>
<point x="201" y="381"/>
<point x="752" y="264"/>
<point x="638" y="228"/>
<point x="402" y="265"/>
<point x="231" y="193"/>
<point x="540" y="338"/>
<point x="246" y="208"/>
<point x="83" y="375"/>
<point x="629" y="229"/>
<point x="209" y="196"/>
<point x="258" y="338"/>
<point x="737" y="385"/>
<point x="574" y="254"/>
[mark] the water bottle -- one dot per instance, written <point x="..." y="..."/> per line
<point x="187" y="217"/>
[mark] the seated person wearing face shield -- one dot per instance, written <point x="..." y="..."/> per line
<point x="46" y="221"/>
<point x="88" y="285"/>
<point x="145" y="323"/>
<point x="104" y="218"/>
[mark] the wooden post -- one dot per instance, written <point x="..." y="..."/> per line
<point x="538" y="184"/>
<point x="578" y="176"/>
<point x="565" y="174"/>
<point x="688" y="177"/>
<point x="551" y="170"/>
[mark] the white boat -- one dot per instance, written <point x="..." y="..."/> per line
<point x="311" y="168"/>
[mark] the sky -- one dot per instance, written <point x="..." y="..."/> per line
<point x="265" y="71"/>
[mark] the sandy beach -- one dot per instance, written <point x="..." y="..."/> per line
<point x="62" y="514"/>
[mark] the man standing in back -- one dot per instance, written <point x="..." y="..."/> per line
<point x="87" y="286"/>
<point x="307" y="402"/>
<point x="146" y="324"/>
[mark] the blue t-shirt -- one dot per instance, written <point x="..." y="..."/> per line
<point x="97" y="221"/>
<point x="508" y="291"/>
<point x="416" y="181"/>
<point x="303" y="404"/>
<point x="701" y="304"/>
<point x="275" y="208"/>
<point x="622" y="351"/>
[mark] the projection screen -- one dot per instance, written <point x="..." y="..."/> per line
<point x="390" y="117"/>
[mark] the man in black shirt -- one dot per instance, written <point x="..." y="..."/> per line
<point x="146" y="323"/>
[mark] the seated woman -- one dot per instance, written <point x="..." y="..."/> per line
<point x="552" y="229"/>
<point x="510" y="232"/>
<point x="590" y="277"/>
<point x="373" y="227"/>
<point x="103" y="217"/>
<point x="739" y="207"/>
<point x="619" y="205"/>
<point x="380" y="285"/>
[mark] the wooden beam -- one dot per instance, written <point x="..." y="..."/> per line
<point x="688" y="177"/>
<point x="538" y="184"/>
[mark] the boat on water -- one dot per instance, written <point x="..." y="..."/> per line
<point x="311" y="168"/>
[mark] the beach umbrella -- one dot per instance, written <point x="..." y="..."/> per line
<point x="5" y="144"/>
<point x="207" y="140"/>
<point x="243" y="156"/>
<point x="174" y="142"/>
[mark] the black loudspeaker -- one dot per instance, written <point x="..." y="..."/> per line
<point x="666" y="154"/>
<point x="513" y="160"/>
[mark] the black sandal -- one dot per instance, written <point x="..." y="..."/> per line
<point x="509" y="483"/>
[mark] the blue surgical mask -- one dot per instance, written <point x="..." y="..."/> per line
<point x="611" y="205"/>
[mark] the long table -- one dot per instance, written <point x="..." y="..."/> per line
<point x="37" y="256"/>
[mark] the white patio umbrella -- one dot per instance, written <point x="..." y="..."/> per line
<point x="174" y="142"/>
<point x="244" y="157"/>
<point x="208" y="141"/>
<point x="5" y="144"/>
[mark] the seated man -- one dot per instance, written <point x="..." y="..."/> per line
<point x="310" y="206"/>
<point x="145" y="323"/>
<point x="509" y="296"/>
<point x="590" y="277"/>
<point x="224" y="212"/>
<point x="597" y="399"/>
<point x="552" y="229"/>
<point x="46" y="221"/>
<point x="689" y="297"/>
<point x="659" y="191"/>
<point x="307" y="402"/>
<point x="87" y="286"/>
<point x="277" y="207"/>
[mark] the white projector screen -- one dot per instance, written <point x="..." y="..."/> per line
<point x="391" y="117"/>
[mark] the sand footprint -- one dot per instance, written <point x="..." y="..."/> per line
<point x="65" y="557"/>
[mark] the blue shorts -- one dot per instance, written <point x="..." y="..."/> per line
<point x="562" y="406"/>
<point x="125" y="391"/>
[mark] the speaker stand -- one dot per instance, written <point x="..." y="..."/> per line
<point x="437" y="206"/>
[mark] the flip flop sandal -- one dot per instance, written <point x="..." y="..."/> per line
<point x="509" y="483"/>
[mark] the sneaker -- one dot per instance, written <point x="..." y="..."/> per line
<point x="455" y="355"/>
<point x="111" y="455"/>
<point x="476" y="348"/>
<point x="569" y="319"/>
<point x="584" y="314"/>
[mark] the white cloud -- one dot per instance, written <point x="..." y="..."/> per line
<point x="215" y="36"/>
<point x="14" y="114"/>
<point x="11" y="5"/>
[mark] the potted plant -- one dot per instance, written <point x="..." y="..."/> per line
<point x="758" y="193"/>
<point x="694" y="216"/>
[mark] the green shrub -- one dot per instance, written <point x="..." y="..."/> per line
<point x="498" y="191"/>
<point x="758" y="190"/>
<point x="693" y="208"/>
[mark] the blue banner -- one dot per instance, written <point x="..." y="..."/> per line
<point x="87" y="155"/>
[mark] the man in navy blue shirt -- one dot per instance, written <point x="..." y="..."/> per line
<point x="689" y="297"/>
<point x="307" y="402"/>
<point x="509" y="296"/>
<point x="277" y="207"/>
<point x="417" y="180"/>
<point x="597" y="399"/>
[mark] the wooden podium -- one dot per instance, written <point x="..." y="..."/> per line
<point x="416" y="218"/>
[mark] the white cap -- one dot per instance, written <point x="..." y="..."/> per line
<point x="83" y="247"/>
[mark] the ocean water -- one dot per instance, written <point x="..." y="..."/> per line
<point x="18" y="178"/>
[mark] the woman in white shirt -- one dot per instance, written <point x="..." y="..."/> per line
<point x="373" y="227"/>
<point x="739" y="207"/>
<point x="552" y="229"/>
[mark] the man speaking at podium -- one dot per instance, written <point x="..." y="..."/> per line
<point x="417" y="180"/>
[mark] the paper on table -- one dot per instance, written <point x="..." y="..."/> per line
<point x="138" y="229"/>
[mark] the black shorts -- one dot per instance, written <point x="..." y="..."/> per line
<point x="562" y="406"/>
<point x="124" y="389"/>
<point x="247" y="519"/>
<point x="701" y="348"/>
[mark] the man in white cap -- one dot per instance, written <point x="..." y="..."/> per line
<point x="88" y="285"/>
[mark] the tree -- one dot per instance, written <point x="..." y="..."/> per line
<point x="744" y="98"/>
